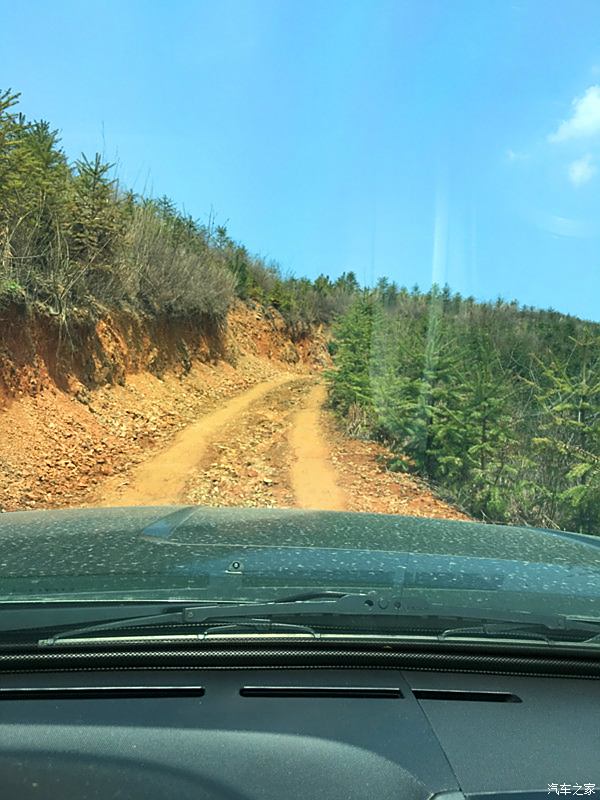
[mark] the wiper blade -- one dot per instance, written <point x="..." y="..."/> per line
<point x="495" y="631"/>
<point x="499" y="630"/>
<point x="260" y="626"/>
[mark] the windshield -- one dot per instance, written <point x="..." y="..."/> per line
<point x="302" y="297"/>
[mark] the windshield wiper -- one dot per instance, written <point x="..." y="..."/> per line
<point x="306" y="604"/>
<point x="331" y="604"/>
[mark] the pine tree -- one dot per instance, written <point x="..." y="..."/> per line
<point x="96" y="221"/>
<point x="569" y="436"/>
<point x="351" y="381"/>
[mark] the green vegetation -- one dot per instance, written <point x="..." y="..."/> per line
<point x="73" y="243"/>
<point x="496" y="405"/>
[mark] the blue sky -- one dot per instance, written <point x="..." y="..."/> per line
<point x="456" y="141"/>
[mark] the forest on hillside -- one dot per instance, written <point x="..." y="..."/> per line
<point x="497" y="406"/>
<point x="74" y="243"/>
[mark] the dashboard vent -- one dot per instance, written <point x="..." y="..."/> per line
<point x="466" y="695"/>
<point x="321" y="691"/>
<point x="92" y="692"/>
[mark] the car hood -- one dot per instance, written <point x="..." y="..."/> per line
<point x="242" y="553"/>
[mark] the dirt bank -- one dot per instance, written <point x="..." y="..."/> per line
<point x="70" y="421"/>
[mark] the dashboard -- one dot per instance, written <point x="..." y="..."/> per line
<point x="268" y="734"/>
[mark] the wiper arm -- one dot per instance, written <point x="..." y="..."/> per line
<point x="307" y="604"/>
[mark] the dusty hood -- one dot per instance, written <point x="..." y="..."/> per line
<point x="175" y="551"/>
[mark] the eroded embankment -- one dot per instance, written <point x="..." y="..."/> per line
<point x="79" y="406"/>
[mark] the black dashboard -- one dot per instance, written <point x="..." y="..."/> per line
<point x="336" y="734"/>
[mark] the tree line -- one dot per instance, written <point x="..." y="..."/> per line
<point x="75" y="244"/>
<point x="497" y="405"/>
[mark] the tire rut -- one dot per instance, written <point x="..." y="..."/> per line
<point x="314" y="480"/>
<point x="249" y="463"/>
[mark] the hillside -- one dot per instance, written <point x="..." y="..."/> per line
<point x="497" y="405"/>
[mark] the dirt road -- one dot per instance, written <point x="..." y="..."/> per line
<point x="161" y="479"/>
<point x="274" y="445"/>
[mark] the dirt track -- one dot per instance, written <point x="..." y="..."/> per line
<point x="273" y="445"/>
<point x="162" y="479"/>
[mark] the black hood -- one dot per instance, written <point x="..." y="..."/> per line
<point x="239" y="552"/>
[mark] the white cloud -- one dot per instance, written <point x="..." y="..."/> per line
<point x="513" y="155"/>
<point x="581" y="171"/>
<point x="585" y="119"/>
<point x="562" y="226"/>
